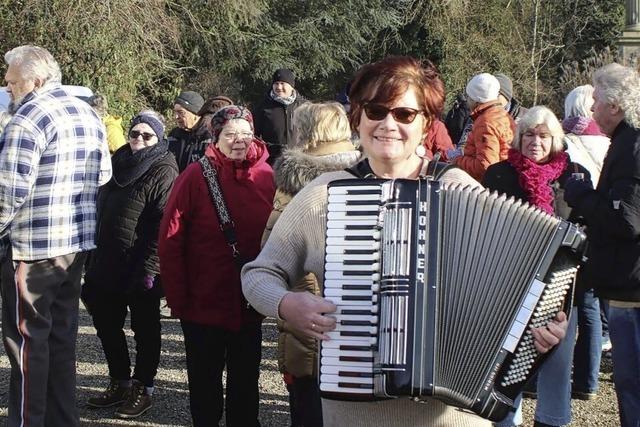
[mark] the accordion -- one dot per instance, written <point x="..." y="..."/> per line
<point x="437" y="289"/>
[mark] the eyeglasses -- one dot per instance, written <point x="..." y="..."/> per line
<point x="237" y="135"/>
<point x="404" y="115"/>
<point x="134" y="134"/>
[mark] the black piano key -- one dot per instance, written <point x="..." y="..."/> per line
<point x="355" y="192"/>
<point x="352" y="385"/>
<point x="356" y="359"/>
<point x="360" y="251"/>
<point x="355" y="334"/>
<point x="356" y="287"/>
<point x="357" y="312"/>
<point x="356" y="347"/>
<point x="361" y="227"/>
<point x="362" y="202"/>
<point x="358" y="238"/>
<point x="355" y="374"/>
<point x="356" y="297"/>
<point x="359" y="262"/>
<point x="361" y="213"/>
<point x="356" y="323"/>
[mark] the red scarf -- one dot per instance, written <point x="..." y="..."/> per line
<point x="536" y="178"/>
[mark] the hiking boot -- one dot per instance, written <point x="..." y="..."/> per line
<point x="114" y="395"/>
<point x="138" y="402"/>
<point x="583" y="395"/>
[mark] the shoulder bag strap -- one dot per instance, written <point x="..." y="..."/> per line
<point x="226" y="223"/>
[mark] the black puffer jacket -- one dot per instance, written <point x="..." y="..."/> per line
<point x="613" y="215"/>
<point x="273" y="123"/>
<point x="129" y="215"/>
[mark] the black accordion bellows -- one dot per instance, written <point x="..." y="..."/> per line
<point x="437" y="288"/>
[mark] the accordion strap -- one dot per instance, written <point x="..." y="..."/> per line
<point x="226" y="223"/>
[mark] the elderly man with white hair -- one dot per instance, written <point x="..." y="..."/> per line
<point x="612" y="212"/>
<point x="53" y="157"/>
<point x="493" y="128"/>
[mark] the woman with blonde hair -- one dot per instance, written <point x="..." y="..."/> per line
<point x="323" y="145"/>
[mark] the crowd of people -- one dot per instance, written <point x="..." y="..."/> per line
<point x="225" y="216"/>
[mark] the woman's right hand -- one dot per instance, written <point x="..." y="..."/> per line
<point x="306" y="313"/>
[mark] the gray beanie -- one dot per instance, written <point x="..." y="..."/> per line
<point x="506" y="85"/>
<point x="191" y="101"/>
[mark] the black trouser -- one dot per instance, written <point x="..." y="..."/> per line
<point x="305" y="402"/>
<point x="109" y="311"/>
<point x="208" y="350"/>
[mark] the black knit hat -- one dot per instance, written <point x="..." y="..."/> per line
<point x="191" y="101"/>
<point x="284" y="75"/>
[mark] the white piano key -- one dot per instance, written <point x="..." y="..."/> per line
<point x="373" y="320"/>
<point x="359" y="244"/>
<point x="350" y="190"/>
<point x="333" y="335"/>
<point x="338" y="283"/>
<point x="341" y="257"/>
<point x="338" y="232"/>
<point x="345" y="308"/>
<point x="334" y="292"/>
<point x="335" y="379"/>
<point x="343" y="224"/>
<point x="339" y="266"/>
<point x="341" y="301"/>
<point x="346" y="342"/>
<point x="334" y="388"/>
<point x="343" y="198"/>
<point x="338" y="207"/>
<point x="334" y="352"/>
<point x="346" y="216"/>
<point x="346" y="364"/>
<point x="346" y="278"/>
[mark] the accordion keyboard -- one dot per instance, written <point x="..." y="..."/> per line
<point x="353" y="257"/>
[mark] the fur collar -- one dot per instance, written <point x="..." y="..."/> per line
<point x="295" y="168"/>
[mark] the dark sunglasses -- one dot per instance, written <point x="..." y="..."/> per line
<point x="134" y="134"/>
<point x="404" y="115"/>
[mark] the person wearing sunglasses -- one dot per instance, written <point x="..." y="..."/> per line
<point x="492" y="130"/>
<point x="123" y="270"/>
<point x="200" y="266"/>
<point x="393" y="102"/>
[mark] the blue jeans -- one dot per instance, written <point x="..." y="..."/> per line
<point x="586" y="356"/>
<point x="554" y="385"/>
<point x="624" y="330"/>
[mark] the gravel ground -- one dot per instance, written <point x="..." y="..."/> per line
<point x="171" y="407"/>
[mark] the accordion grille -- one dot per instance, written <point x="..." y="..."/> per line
<point x="481" y="280"/>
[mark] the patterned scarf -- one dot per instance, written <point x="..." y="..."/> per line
<point x="536" y="178"/>
<point x="283" y="100"/>
<point x="581" y="126"/>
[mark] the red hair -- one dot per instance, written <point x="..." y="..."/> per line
<point x="385" y="81"/>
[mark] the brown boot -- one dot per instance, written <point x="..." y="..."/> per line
<point x="138" y="402"/>
<point x="115" y="394"/>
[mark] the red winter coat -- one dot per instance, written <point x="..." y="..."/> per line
<point x="199" y="276"/>
<point x="438" y="140"/>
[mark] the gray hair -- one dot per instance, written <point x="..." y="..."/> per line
<point x="578" y="102"/>
<point x="540" y="115"/>
<point x="620" y="86"/>
<point x="5" y="118"/>
<point x="35" y="63"/>
<point x="318" y="124"/>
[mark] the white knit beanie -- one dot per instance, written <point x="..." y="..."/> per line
<point x="483" y="87"/>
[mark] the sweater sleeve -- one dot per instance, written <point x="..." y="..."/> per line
<point x="172" y="243"/>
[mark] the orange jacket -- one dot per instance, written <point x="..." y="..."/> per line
<point x="489" y="140"/>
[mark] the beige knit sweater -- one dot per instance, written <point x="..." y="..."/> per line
<point x="296" y="246"/>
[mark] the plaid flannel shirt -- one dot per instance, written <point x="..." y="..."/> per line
<point x="53" y="157"/>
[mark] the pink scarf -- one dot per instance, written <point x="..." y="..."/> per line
<point x="536" y="178"/>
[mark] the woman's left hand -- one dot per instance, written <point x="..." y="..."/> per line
<point x="547" y="337"/>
